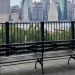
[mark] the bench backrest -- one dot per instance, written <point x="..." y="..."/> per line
<point x="42" y="46"/>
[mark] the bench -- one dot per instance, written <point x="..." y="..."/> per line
<point x="39" y="50"/>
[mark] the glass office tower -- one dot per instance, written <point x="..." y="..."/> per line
<point x="46" y="4"/>
<point x="63" y="8"/>
<point x="26" y="10"/>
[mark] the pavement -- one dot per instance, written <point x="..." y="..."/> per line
<point x="51" y="67"/>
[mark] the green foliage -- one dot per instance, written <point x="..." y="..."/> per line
<point x="16" y="35"/>
<point x="2" y="35"/>
<point x="33" y="34"/>
<point x="47" y="36"/>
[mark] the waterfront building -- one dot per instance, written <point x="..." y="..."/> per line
<point x="26" y="10"/>
<point x="59" y="11"/>
<point x="69" y="12"/>
<point x="15" y="9"/>
<point x="53" y="12"/>
<point x="55" y="1"/>
<point x="46" y="4"/>
<point x="63" y="8"/>
<point x="73" y="10"/>
<point x="14" y="17"/>
<point x="4" y="6"/>
<point x="4" y="10"/>
<point x="37" y="11"/>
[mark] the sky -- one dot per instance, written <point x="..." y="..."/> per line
<point x="17" y="2"/>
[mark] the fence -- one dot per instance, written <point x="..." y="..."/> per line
<point x="35" y="31"/>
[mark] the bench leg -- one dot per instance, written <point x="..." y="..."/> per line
<point x="39" y="60"/>
<point x="36" y="64"/>
<point x="70" y="58"/>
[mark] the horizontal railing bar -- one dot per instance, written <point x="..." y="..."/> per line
<point x="39" y="42"/>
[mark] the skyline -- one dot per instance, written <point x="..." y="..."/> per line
<point x="17" y="2"/>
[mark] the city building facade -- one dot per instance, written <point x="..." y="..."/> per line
<point x="26" y="10"/>
<point x="45" y="4"/>
<point x="37" y="11"/>
<point x="73" y="10"/>
<point x="63" y="8"/>
<point x="53" y="12"/>
<point x="69" y="12"/>
<point x="4" y="10"/>
<point x="15" y="9"/>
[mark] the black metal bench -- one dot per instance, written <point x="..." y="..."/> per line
<point x="40" y="47"/>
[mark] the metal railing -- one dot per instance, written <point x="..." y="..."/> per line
<point x="35" y="31"/>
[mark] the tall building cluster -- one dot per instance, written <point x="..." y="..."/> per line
<point x="35" y="11"/>
<point x="45" y="10"/>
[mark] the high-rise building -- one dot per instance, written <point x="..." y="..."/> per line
<point x="26" y="10"/>
<point x="63" y="8"/>
<point x="15" y="13"/>
<point x="14" y="17"/>
<point x="37" y="11"/>
<point x="55" y="1"/>
<point x="46" y="4"/>
<point x="72" y="1"/>
<point x="59" y="11"/>
<point x="15" y="9"/>
<point x="69" y="12"/>
<point x="58" y="8"/>
<point x="73" y="10"/>
<point x="53" y="12"/>
<point x="4" y="10"/>
<point x="4" y="6"/>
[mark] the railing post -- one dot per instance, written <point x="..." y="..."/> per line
<point x="72" y="29"/>
<point x="7" y="36"/>
<point x="42" y="39"/>
<point x="72" y="34"/>
<point x="42" y="31"/>
<point x="7" y="32"/>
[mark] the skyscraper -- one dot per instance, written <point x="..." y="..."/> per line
<point x="4" y="6"/>
<point x="69" y="12"/>
<point x="46" y="4"/>
<point x="37" y="12"/>
<point x="15" y="9"/>
<point x="73" y="10"/>
<point x="72" y="1"/>
<point x="55" y="1"/>
<point x="4" y="10"/>
<point x="26" y="9"/>
<point x="53" y="12"/>
<point x="63" y="8"/>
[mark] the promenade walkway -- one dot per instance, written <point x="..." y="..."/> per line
<point x="52" y="67"/>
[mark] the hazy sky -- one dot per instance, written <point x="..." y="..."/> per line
<point x="17" y="2"/>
